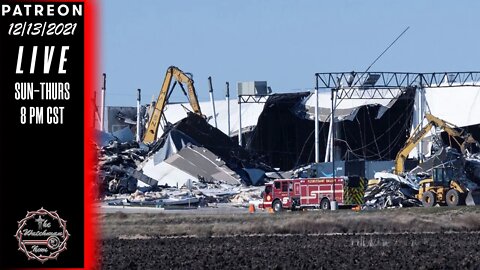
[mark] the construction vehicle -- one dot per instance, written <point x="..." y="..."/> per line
<point x="442" y="187"/>
<point x="165" y="92"/>
<point x="302" y="193"/>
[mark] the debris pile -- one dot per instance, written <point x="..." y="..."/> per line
<point x="390" y="190"/>
<point x="463" y="168"/>
<point x="472" y="168"/>
<point x="117" y="163"/>
<point x="246" y="196"/>
<point x="190" y="150"/>
<point x="168" y="197"/>
<point x="195" y="195"/>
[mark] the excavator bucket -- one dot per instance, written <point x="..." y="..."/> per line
<point x="473" y="198"/>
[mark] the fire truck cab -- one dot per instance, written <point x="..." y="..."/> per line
<point x="302" y="193"/>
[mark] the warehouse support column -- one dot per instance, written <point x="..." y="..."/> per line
<point x="227" y="97"/>
<point x="102" y="108"/>
<point x="139" y="117"/>
<point x="333" y="202"/>
<point x="212" y="100"/>
<point x="421" y="115"/>
<point x="240" y="120"/>
<point x="328" y="153"/>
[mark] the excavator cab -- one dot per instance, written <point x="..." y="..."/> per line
<point x="442" y="176"/>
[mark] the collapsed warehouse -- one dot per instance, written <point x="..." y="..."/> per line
<point x="211" y="166"/>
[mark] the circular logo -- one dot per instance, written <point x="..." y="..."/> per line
<point x="53" y="242"/>
<point x="42" y="235"/>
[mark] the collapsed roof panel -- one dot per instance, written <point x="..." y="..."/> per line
<point x="215" y="141"/>
<point x="203" y="164"/>
<point x="285" y="137"/>
<point x="371" y="138"/>
<point x="282" y="137"/>
<point x="172" y="143"/>
<point x="250" y="112"/>
<point x="166" y="174"/>
<point x="345" y="109"/>
<point x="200" y="152"/>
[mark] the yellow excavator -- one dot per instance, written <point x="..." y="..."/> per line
<point x="180" y="78"/>
<point x="442" y="187"/>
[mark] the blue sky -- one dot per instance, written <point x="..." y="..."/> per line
<point x="282" y="42"/>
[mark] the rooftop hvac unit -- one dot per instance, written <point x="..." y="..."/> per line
<point x="252" y="88"/>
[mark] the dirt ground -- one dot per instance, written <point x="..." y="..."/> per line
<point x="446" y="238"/>
<point x="406" y="251"/>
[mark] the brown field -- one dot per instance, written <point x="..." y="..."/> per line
<point x="436" y="238"/>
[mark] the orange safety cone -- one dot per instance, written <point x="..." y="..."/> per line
<point x="251" y="208"/>
<point x="357" y="208"/>
<point x="270" y="210"/>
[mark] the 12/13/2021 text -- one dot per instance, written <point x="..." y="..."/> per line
<point x="41" y="29"/>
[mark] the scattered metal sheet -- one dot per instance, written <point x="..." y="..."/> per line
<point x="389" y="190"/>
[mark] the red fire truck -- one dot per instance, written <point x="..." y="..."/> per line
<point x="312" y="192"/>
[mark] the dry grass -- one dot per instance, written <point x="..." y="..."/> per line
<point x="413" y="220"/>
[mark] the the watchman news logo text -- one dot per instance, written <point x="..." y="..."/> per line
<point x="42" y="235"/>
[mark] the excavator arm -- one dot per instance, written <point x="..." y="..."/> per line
<point x="180" y="77"/>
<point x="402" y="155"/>
<point x="419" y="133"/>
